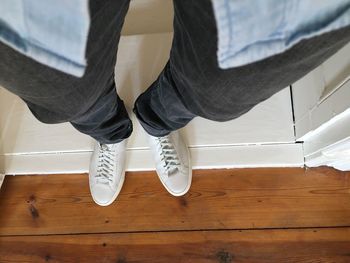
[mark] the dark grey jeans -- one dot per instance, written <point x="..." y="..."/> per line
<point x="190" y="85"/>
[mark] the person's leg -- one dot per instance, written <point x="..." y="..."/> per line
<point x="90" y="103"/>
<point x="192" y="84"/>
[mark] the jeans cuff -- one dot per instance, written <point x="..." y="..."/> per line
<point x="148" y="128"/>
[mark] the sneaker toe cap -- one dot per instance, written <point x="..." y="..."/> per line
<point x="178" y="184"/>
<point x="103" y="195"/>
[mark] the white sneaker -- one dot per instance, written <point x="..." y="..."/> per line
<point x="107" y="172"/>
<point x="173" y="163"/>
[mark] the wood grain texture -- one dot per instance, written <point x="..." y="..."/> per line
<point x="218" y="199"/>
<point x="292" y="245"/>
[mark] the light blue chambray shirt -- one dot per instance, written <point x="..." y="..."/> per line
<point x="251" y="30"/>
<point x="52" y="32"/>
<point x="55" y="32"/>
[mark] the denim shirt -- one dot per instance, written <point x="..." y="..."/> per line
<point x="55" y="32"/>
<point x="52" y="32"/>
<point x="251" y="30"/>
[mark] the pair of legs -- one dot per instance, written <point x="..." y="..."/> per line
<point x="190" y="85"/>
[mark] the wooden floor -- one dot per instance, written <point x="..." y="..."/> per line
<point x="242" y="215"/>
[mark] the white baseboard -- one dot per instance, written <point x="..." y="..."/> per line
<point x="2" y="177"/>
<point x="238" y="156"/>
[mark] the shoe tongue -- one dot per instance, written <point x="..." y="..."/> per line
<point x="107" y="146"/>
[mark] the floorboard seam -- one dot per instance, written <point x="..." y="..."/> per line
<point x="174" y="231"/>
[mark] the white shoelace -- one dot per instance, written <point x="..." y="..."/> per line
<point x="168" y="155"/>
<point x="105" y="166"/>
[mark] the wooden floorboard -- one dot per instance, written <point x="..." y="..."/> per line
<point x="218" y="199"/>
<point x="292" y="245"/>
